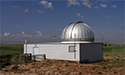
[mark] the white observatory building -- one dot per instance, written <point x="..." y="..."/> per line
<point x="77" y="45"/>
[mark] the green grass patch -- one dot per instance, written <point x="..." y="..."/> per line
<point x="100" y="73"/>
<point x="94" y="67"/>
<point x="104" y="67"/>
<point x="80" y="72"/>
<point x="11" y="49"/>
<point x="117" y="49"/>
<point x="14" y="68"/>
<point x="66" y="65"/>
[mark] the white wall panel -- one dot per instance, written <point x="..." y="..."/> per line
<point x="54" y="51"/>
<point x="91" y="51"/>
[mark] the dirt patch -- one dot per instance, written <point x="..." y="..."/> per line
<point x="110" y="65"/>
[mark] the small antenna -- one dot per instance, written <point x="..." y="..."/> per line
<point x="102" y="37"/>
<point x="26" y="44"/>
<point x="25" y="40"/>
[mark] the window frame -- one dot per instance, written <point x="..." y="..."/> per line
<point x="72" y="50"/>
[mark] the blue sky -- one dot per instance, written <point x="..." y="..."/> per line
<point x="39" y="20"/>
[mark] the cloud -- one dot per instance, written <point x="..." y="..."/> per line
<point x="59" y="29"/>
<point x="87" y="3"/>
<point x="23" y="32"/>
<point x="40" y="11"/>
<point x="19" y="37"/>
<point x="108" y="16"/>
<point x="79" y="15"/>
<point x="104" y="1"/>
<point x="22" y="35"/>
<point x="33" y="12"/>
<point x="96" y="7"/>
<point x="72" y="2"/>
<point x="116" y="16"/>
<point x="26" y="10"/>
<point x="28" y="35"/>
<point x="39" y="34"/>
<point x="13" y="35"/>
<point x="6" y="34"/>
<point x="5" y="7"/>
<point x="120" y="24"/>
<point x="48" y="35"/>
<point x="114" y="6"/>
<point x="84" y="13"/>
<point x="103" y="5"/>
<point x="46" y="4"/>
<point x="18" y="6"/>
<point x="0" y="35"/>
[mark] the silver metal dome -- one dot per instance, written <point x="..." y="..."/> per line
<point x="77" y="31"/>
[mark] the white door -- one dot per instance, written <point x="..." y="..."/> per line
<point x="36" y="50"/>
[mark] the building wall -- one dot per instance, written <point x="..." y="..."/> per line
<point x="85" y="52"/>
<point x="91" y="52"/>
<point x="53" y="51"/>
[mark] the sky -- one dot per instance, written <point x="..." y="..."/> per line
<point x="40" y="20"/>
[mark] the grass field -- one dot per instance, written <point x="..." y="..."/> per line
<point x="11" y="49"/>
<point x="118" y="49"/>
<point x="18" y="48"/>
